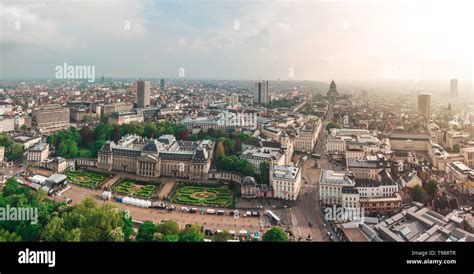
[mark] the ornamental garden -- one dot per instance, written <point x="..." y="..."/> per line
<point x="86" y="178"/>
<point x="202" y="194"/>
<point x="136" y="189"/>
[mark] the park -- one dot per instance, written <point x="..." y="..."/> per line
<point x="132" y="188"/>
<point x="202" y="194"/>
<point x="86" y="178"/>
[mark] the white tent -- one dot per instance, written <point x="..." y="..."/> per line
<point x="106" y="195"/>
<point x="136" y="202"/>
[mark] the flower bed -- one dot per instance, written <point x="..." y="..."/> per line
<point x="132" y="188"/>
<point x="214" y="195"/>
<point x="85" y="178"/>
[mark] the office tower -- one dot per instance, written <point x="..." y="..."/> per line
<point x="453" y="88"/>
<point x="424" y="105"/>
<point x="143" y="94"/>
<point x="262" y="95"/>
<point x="162" y="84"/>
<point x="51" y="118"/>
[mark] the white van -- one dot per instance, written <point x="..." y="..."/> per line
<point x="210" y="211"/>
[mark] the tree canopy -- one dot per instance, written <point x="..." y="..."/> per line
<point x="191" y="234"/>
<point x="275" y="234"/>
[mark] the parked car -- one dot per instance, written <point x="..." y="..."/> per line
<point x="68" y="201"/>
<point x="210" y="211"/>
<point x="255" y="213"/>
<point x="184" y="209"/>
<point x="171" y="208"/>
<point x="193" y="210"/>
<point x="220" y="212"/>
<point x="159" y="205"/>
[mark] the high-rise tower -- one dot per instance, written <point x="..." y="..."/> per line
<point x="453" y="88"/>
<point x="424" y="105"/>
<point x="262" y="96"/>
<point x="143" y="94"/>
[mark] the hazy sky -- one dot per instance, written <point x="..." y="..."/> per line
<point x="316" y="40"/>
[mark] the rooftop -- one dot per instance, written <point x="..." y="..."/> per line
<point x="285" y="172"/>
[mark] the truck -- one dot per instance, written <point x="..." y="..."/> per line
<point x="255" y="214"/>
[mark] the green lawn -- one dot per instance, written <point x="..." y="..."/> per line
<point x="85" y="178"/>
<point x="84" y="153"/>
<point x="203" y="195"/>
<point x="131" y="188"/>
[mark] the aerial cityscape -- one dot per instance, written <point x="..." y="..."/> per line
<point x="129" y="125"/>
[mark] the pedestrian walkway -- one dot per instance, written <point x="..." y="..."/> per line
<point x="166" y="189"/>
<point x="108" y="184"/>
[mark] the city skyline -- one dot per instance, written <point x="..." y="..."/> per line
<point x="278" y="122"/>
<point x="316" y="40"/>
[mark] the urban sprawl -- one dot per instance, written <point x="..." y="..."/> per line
<point x="241" y="160"/>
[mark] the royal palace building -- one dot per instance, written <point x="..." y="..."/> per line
<point x="164" y="156"/>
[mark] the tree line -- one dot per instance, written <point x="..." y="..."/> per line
<point x="88" y="222"/>
<point x="86" y="143"/>
<point x="73" y="143"/>
<point x="13" y="151"/>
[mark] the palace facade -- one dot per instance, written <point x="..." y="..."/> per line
<point x="164" y="156"/>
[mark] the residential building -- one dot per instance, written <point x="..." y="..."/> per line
<point x="285" y="147"/>
<point x="285" y="181"/>
<point x="468" y="154"/>
<point x="350" y="198"/>
<point x="383" y="206"/>
<point x="256" y="156"/>
<point x="7" y="124"/>
<point x="37" y="154"/>
<point x="367" y="167"/>
<point x="410" y="180"/>
<point x="306" y="137"/>
<point x="331" y="183"/>
<point x="58" y="164"/>
<point x="27" y="141"/>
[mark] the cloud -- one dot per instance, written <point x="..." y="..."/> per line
<point x="318" y="39"/>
